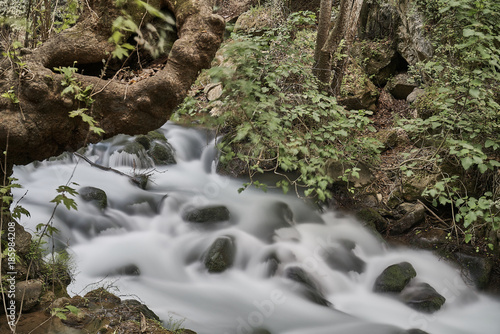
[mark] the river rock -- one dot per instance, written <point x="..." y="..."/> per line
<point x="28" y="292"/>
<point x="394" y="278"/>
<point x="278" y="216"/>
<point x="422" y="297"/>
<point x="415" y="214"/>
<point x="95" y="196"/>
<point x="372" y="218"/>
<point x="307" y="285"/>
<point x="208" y="214"/>
<point x="342" y="258"/>
<point x="476" y="269"/>
<point x="220" y="255"/>
<point x="162" y="154"/>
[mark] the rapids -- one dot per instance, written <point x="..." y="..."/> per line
<point x="145" y="230"/>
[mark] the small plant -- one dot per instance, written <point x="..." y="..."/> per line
<point x="175" y="325"/>
<point x="61" y="312"/>
<point x="80" y="94"/>
<point x="11" y="95"/>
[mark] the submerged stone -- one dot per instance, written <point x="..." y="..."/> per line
<point x="95" y="196"/>
<point x="394" y="278"/>
<point x="309" y="287"/>
<point x="209" y="214"/>
<point x="220" y="255"/>
<point x="422" y="297"/>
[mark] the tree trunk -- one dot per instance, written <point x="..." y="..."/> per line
<point x="325" y="13"/>
<point x="350" y="33"/>
<point x="39" y="127"/>
<point x="345" y="24"/>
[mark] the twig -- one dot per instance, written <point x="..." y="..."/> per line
<point x="432" y="212"/>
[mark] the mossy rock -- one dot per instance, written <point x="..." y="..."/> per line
<point x="133" y="148"/>
<point x="220" y="255"/>
<point x="157" y="135"/>
<point x="162" y="154"/>
<point x="372" y="218"/>
<point x="394" y="278"/>
<point x="209" y="214"/>
<point x="95" y="196"/>
<point x="422" y="297"/>
<point x="145" y="141"/>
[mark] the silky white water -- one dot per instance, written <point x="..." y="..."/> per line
<point x="145" y="229"/>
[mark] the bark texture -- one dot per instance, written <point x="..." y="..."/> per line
<point x="39" y="127"/>
<point x="344" y="29"/>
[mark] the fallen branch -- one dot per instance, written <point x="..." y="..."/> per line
<point x="140" y="180"/>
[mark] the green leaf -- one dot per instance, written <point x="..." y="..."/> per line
<point x="467" y="162"/>
<point x="73" y="309"/>
<point x="474" y="92"/>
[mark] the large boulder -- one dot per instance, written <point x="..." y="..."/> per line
<point x="412" y="45"/>
<point x="394" y="278"/>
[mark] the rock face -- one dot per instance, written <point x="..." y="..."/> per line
<point x="394" y="278"/>
<point x="209" y="214"/>
<point x="94" y="196"/>
<point x="422" y="297"/>
<point x="28" y="292"/>
<point x="413" y="45"/>
<point x="220" y="255"/>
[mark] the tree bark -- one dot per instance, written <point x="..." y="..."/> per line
<point x="344" y="29"/>
<point x="325" y="13"/>
<point x="39" y="127"/>
<point x="340" y="65"/>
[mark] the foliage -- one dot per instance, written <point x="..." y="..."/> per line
<point x="11" y="95"/>
<point x="61" y="312"/>
<point x="275" y="117"/>
<point x="153" y="40"/>
<point x="67" y="16"/>
<point x="80" y="94"/>
<point x="459" y="113"/>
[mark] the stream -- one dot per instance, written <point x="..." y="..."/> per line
<point x="292" y="269"/>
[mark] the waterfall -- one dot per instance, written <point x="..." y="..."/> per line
<point x="289" y="268"/>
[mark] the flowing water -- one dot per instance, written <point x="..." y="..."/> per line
<point x="141" y="246"/>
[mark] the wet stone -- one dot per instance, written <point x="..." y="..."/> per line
<point x="422" y="297"/>
<point x="309" y="287"/>
<point x="220" y="255"/>
<point x="95" y="196"/>
<point x="394" y="278"/>
<point x="209" y="214"/>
